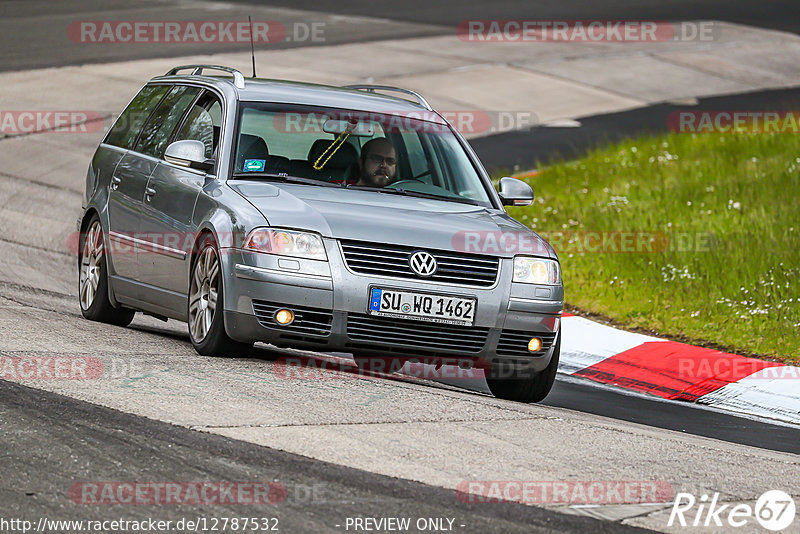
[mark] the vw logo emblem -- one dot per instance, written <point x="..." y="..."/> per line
<point x="422" y="263"/>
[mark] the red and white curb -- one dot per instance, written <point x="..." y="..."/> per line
<point x="678" y="371"/>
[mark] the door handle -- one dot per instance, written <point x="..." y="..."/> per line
<point x="115" y="181"/>
<point x="149" y="192"/>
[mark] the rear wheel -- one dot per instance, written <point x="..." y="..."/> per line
<point x="93" y="279"/>
<point x="529" y="388"/>
<point x="206" y="321"/>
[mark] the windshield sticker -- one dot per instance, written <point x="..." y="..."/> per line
<point x="254" y="165"/>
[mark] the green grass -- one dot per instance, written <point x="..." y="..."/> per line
<point x="729" y="204"/>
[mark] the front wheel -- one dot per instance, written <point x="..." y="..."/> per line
<point x="530" y="388"/>
<point x="93" y="279"/>
<point x="206" y="321"/>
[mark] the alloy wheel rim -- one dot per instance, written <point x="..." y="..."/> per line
<point x="91" y="260"/>
<point x="203" y="294"/>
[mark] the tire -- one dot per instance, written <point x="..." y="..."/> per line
<point x="93" y="279"/>
<point x="527" y="389"/>
<point x="205" y="309"/>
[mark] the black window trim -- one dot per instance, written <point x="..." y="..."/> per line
<point x="202" y="87"/>
<point x="483" y="176"/>
<point x="160" y="157"/>
<point x="136" y="140"/>
<point x="203" y="93"/>
<point x="149" y="116"/>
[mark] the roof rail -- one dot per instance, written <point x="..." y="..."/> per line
<point x="238" y="77"/>
<point x="373" y="88"/>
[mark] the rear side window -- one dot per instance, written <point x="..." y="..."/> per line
<point x="160" y="125"/>
<point x="127" y="127"/>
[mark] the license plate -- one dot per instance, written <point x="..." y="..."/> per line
<point x="422" y="306"/>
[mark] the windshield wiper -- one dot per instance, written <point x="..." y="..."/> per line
<point x="283" y="178"/>
<point x="406" y="192"/>
<point x="389" y="191"/>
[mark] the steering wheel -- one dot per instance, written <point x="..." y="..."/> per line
<point x="407" y="181"/>
<point x="414" y="179"/>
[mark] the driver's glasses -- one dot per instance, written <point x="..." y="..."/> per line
<point x="377" y="160"/>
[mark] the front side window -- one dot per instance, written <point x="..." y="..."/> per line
<point x="130" y="122"/>
<point x="161" y="124"/>
<point x="354" y="148"/>
<point x="203" y="123"/>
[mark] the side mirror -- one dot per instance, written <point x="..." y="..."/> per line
<point x="515" y="192"/>
<point x="189" y="153"/>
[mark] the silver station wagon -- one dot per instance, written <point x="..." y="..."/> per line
<point x="346" y="219"/>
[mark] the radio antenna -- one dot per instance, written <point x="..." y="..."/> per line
<point x="252" y="46"/>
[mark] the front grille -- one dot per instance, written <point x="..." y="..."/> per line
<point x="392" y="260"/>
<point x="413" y="337"/>
<point x="307" y="321"/>
<point x="515" y="343"/>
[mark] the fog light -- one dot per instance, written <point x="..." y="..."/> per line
<point x="284" y="317"/>
<point x="535" y="345"/>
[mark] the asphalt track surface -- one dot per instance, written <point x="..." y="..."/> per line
<point x="40" y="431"/>
<point x="776" y="14"/>
<point x="526" y="149"/>
<point x="689" y="419"/>
<point x="49" y="440"/>
<point x="31" y="30"/>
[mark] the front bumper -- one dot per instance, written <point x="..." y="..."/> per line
<point x="330" y="304"/>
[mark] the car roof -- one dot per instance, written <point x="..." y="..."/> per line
<point x="309" y="94"/>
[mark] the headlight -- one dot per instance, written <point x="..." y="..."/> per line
<point x="286" y="243"/>
<point x="536" y="271"/>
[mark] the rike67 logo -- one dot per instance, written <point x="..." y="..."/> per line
<point x="774" y="510"/>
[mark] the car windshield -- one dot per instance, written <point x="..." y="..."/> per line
<point x="382" y="152"/>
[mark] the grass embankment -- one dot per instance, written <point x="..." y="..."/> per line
<point x="721" y="216"/>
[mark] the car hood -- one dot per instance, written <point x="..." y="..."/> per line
<point x="384" y="218"/>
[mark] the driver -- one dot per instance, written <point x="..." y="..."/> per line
<point x="377" y="164"/>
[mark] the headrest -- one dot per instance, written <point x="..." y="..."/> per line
<point x="252" y="147"/>
<point x="341" y="159"/>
